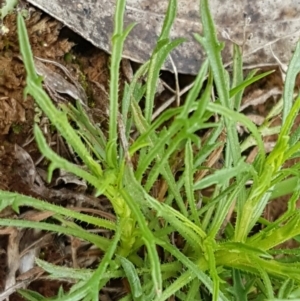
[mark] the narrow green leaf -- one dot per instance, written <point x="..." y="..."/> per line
<point x="189" y="182"/>
<point x="17" y="200"/>
<point x="286" y="289"/>
<point x="26" y="49"/>
<point x="99" y="241"/>
<point x="237" y="77"/>
<point x="58" y="118"/>
<point x="158" y="58"/>
<point x="237" y="247"/>
<point x="239" y="289"/>
<point x="194" y="269"/>
<point x="31" y="295"/>
<point x="289" y="86"/>
<point x="118" y="40"/>
<point x="242" y="119"/>
<point x="222" y="176"/>
<point x="130" y="195"/>
<point x="132" y="277"/>
<point x="179" y="283"/>
<point x="246" y="83"/>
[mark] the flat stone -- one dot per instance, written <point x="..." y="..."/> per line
<point x="261" y="26"/>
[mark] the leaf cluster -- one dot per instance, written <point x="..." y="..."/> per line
<point x="217" y="259"/>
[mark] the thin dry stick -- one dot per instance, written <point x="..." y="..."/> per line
<point x="166" y="104"/>
<point x="176" y="81"/>
<point x="168" y="87"/>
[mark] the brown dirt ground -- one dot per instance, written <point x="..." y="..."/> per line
<point x="87" y="65"/>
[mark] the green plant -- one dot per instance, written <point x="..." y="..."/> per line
<point x="7" y="8"/>
<point x="16" y="128"/>
<point x="217" y="260"/>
